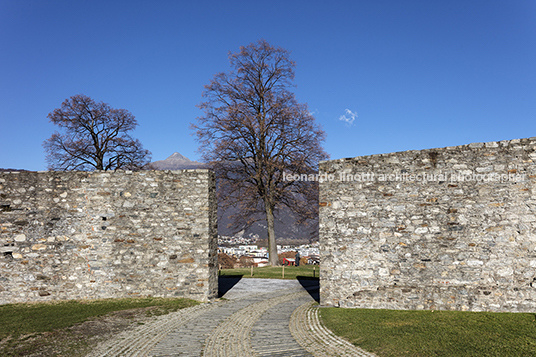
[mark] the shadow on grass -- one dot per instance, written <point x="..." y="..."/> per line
<point x="226" y="283"/>
<point x="312" y="285"/>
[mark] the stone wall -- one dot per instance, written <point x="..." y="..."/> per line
<point x="89" y="235"/>
<point x="450" y="228"/>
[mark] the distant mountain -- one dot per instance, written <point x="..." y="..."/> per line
<point x="177" y="162"/>
<point x="287" y="231"/>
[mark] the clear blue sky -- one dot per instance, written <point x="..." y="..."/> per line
<point x="418" y="74"/>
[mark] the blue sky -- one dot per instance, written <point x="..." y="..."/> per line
<point x="412" y="74"/>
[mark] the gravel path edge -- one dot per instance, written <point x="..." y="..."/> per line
<point x="311" y="334"/>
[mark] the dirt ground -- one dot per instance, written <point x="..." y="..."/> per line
<point x="77" y="340"/>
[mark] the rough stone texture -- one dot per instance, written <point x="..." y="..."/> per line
<point x="68" y="235"/>
<point x="444" y="244"/>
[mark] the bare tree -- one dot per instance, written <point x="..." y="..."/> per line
<point x="95" y="138"/>
<point x="254" y="133"/>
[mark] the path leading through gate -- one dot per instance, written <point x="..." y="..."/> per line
<point x="256" y="317"/>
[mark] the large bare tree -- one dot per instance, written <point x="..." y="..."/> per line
<point x="95" y="137"/>
<point x="255" y="133"/>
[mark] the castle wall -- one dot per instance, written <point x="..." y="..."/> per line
<point x="89" y="235"/>
<point x="441" y="229"/>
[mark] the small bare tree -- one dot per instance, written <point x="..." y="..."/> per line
<point x="95" y="138"/>
<point x="254" y="133"/>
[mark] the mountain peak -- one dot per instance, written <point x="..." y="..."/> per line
<point x="177" y="162"/>
<point x="177" y="156"/>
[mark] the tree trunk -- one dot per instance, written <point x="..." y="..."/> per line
<point x="99" y="162"/>
<point x="272" y="247"/>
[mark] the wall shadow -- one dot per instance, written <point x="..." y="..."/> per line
<point x="312" y="285"/>
<point x="226" y="283"/>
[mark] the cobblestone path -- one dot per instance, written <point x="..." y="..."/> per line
<point x="264" y="318"/>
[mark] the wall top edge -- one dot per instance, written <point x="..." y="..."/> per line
<point x="118" y="172"/>
<point x="471" y="146"/>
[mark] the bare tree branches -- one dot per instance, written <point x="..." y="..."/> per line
<point x="254" y="131"/>
<point x="95" y="137"/>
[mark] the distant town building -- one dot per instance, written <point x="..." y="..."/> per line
<point x="239" y="247"/>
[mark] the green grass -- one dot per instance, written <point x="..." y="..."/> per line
<point x="26" y="319"/>
<point x="390" y="333"/>
<point x="291" y="272"/>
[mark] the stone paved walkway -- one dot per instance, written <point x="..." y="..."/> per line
<point x="261" y="317"/>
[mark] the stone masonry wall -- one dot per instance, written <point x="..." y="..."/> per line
<point x="89" y="235"/>
<point x="441" y="229"/>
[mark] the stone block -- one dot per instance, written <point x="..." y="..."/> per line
<point x="114" y="230"/>
<point x="464" y="239"/>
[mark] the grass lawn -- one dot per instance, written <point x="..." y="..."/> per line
<point x="291" y="272"/>
<point x="26" y="327"/>
<point x="438" y="333"/>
